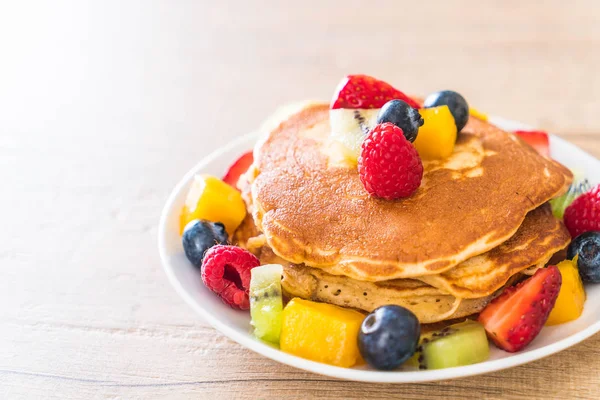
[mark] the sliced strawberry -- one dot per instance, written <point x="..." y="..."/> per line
<point x="515" y="318"/>
<point x="238" y="168"/>
<point x="363" y="91"/>
<point x="536" y="139"/>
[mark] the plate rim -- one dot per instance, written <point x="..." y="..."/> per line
<point x="360" y="375"/>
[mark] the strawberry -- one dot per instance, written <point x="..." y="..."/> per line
<point x="514" y="319"/>
<point x="238" y="168"/>
<point x="583" y="215"/>
<point x="363" y="91"/>
<point x="536" y="139"/>
<point x="389" y="166"/>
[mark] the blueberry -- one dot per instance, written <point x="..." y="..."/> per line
<point x="402" y="115"/>
<point x="201" y="235"/>
<point x="456" y="103"/>
<point x="587" y="246"/>
<point x="388" y="337"/>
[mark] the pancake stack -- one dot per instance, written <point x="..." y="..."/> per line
<point x="477" y="223"/>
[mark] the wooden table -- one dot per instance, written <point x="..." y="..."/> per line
<point x="105" y="105"/>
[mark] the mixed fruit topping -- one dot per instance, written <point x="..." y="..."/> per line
<point x="388" y="134"/>
<point x="362" y="111"/>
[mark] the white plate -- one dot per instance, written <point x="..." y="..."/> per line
<point x="235" y="324"/>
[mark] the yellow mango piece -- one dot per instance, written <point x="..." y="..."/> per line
<point x="569" y="304"/>
<point x="437" y="136"/>
<point x="477" y="114"/>
<point x="212" y="199"/>
<point x="321" y="332"/>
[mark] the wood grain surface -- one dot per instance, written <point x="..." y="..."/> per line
<point x="104" y="105"/>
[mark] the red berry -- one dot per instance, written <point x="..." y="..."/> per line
<point x="363" y="91"/>
<point x="513" y="319"/>
<point x="389" y="166"/>
<point x="536" y="139"/>
<point x="583" y="215"/>
<point x="238" y="168"/>
<point x="226" y="271"/>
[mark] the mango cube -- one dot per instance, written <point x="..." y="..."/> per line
<point x="437" y="136"/>
<point x="477" y="114"/>
<point x="211" y="199"/>
<point x="570" y="300"/>
<point x="321" y="332"/>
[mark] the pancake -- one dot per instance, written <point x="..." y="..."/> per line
<point x="429" y="304"/>
<point x="313" y="210"/>
<point x="464" y="290"/>
<point x="540" y="236"/>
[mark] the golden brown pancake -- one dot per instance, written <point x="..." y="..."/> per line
<point x="463" y="290"/>
<point x="313" y="210"/>
<point x="426" y="302"/>
<point x="540" y="236"/>
<point x="429" y="304"/>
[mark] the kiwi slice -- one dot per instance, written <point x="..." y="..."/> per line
<point x="577" y="188"/>
<point x="266" y="302"/>
<point x="464" y="343"/>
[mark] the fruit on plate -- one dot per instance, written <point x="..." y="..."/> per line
<point x="355" y="107"/>
<point x="350" y="127"/>
<point x="464" y="343"/>
<point x="211" y="199"/>
<point x="586" y="248"/>
<point x="437" y="136"/>
<point x="401" y="114"/>
<point x="363" y="91"/>
<point x="513" y="319"/>
<point x="226" y="271"/>
<point x="536" y="139"/>
<point x="570" y="300"/>
<point x="239" y="167"/>
<point x="321" y="332"/>
<point x="456" y="104"/>
<point x="389" y="166"/>
<point x="583" y="215"/>
<point x="559" y="204"/>
<point x="388" y="337"/>
<point x="266" y="303"/>
<point x="201" y="235"/>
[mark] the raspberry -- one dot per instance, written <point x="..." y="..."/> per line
<point x="226" y="271"/>
<point x="583" y="215"/>
<point x="389" y="165"/>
